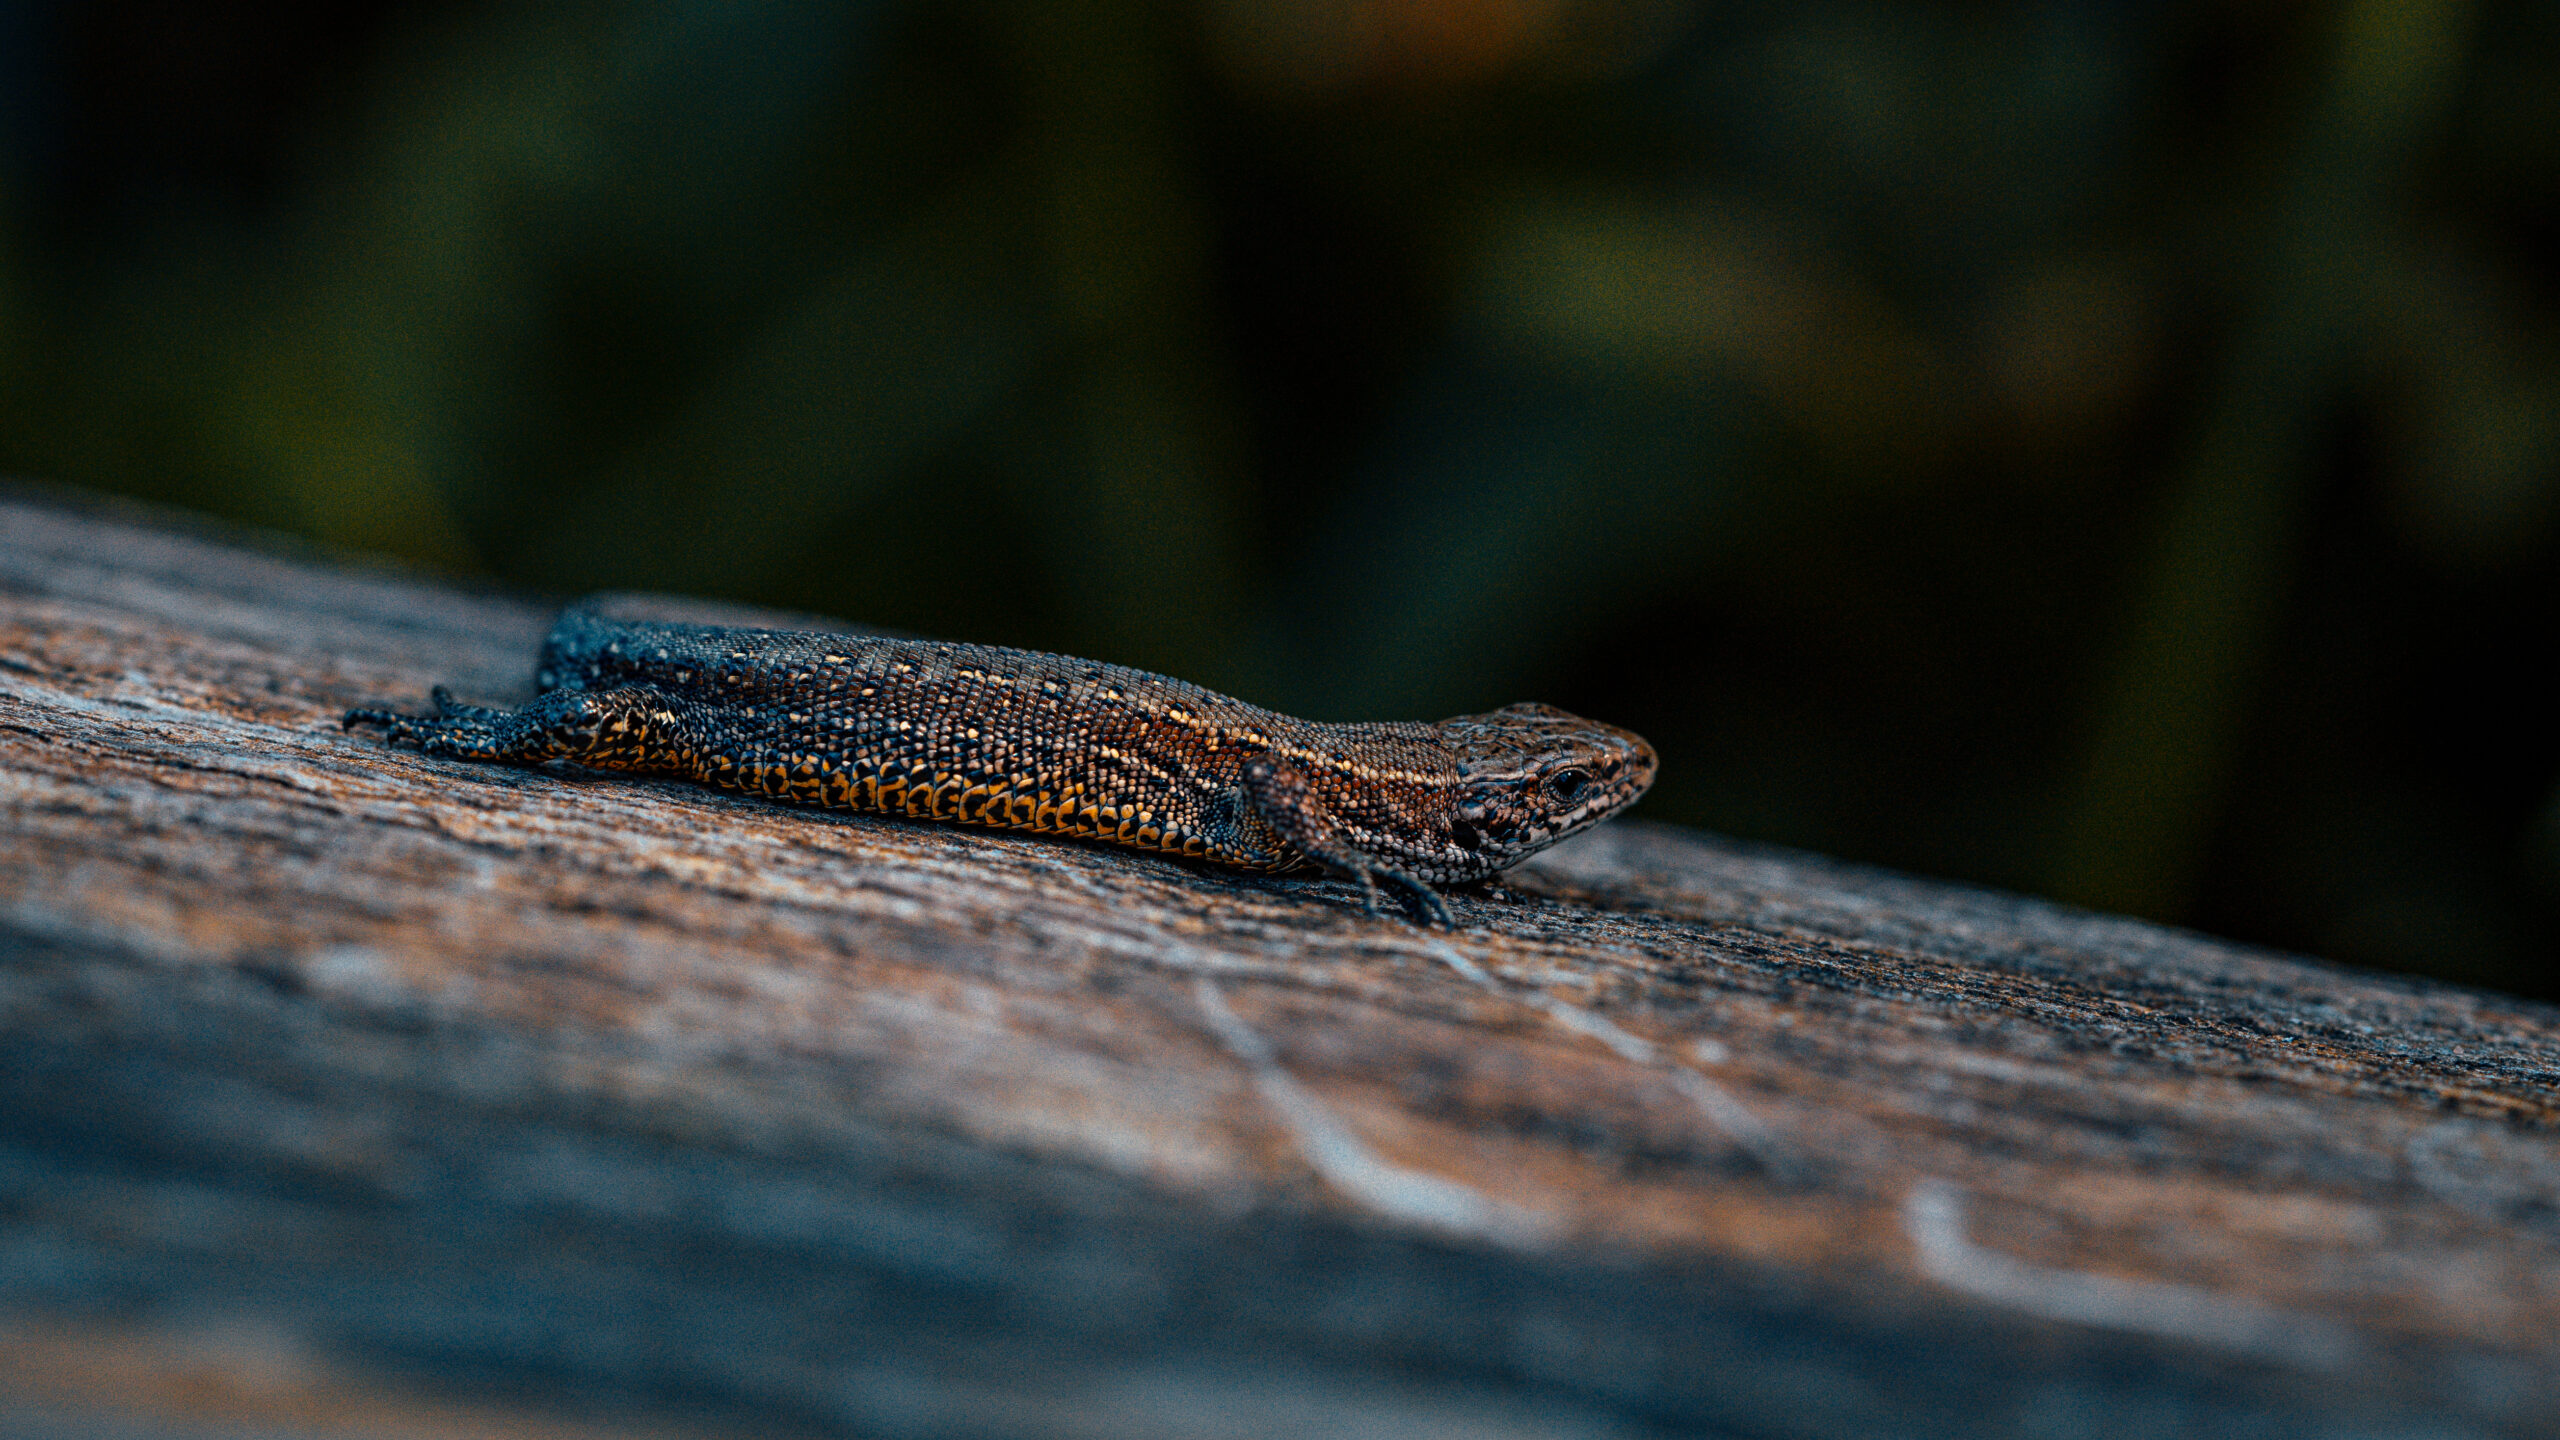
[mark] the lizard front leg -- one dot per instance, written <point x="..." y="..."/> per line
<point x="1282" y="795"/>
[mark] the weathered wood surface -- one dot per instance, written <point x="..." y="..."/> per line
<point x="348" y="1092"/>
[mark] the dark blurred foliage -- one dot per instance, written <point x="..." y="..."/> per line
<point x="2104" y="449"/>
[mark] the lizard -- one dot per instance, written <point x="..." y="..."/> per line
<point x="1019" y="739"/>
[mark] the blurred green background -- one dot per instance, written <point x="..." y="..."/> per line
<point x="2108" y="450"/>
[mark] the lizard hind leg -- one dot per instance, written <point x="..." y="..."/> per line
<point x="448" y="708"/>
<point x="449" y="736"/>
<point x="1287" y="802"/>
<point x="562" y="724"/>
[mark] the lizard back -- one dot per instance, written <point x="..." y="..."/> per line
<point x="981" y="734"/>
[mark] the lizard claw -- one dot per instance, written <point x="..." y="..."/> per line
<point x="1423" y="904"/>
<point x="1427" y="905"/>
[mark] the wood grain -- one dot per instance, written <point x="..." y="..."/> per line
<point x="627" y="1107"/>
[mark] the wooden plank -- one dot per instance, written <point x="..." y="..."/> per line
<point x="620" y="1104"/>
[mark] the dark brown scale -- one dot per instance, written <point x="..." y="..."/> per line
<point x="979" y="735"/>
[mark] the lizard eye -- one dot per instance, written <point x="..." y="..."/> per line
<point x="1566" y="785"/>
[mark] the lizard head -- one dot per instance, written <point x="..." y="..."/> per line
<point x="1529" y="775"/>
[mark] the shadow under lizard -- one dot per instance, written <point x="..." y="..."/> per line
<point x="980" y="735"/>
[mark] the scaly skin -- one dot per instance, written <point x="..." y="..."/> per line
<point x="978" y="735"/>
